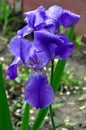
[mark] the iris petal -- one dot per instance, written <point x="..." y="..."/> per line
<point x="53" y="18"/>
<point x="69" y="19"/>
<point x="58" y="46"/>
<point x="24" y="50"/>
<point x="25" y="31"/>
<point x="12" y="69"/>
<point x="46" y="38"/>
<point x="54" y="12"/>
<point x="65" y="48"/>
<point x="14" y="46"/>
<point x="38" y="92"/>
<point x="35" y="18"/>
<point x="47" y="42"/>
<point x="33" y="56"/>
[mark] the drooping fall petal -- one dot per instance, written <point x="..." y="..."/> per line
<point x="12" y="69"/>
<point x="38" y="92"/>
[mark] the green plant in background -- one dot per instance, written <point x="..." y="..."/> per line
<point x="78" y="40"/>
<point x="5" y="12"/>
<point x="68" y="79"/>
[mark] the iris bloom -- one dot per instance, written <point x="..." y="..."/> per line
<point x="37" y="54"/>
<point x="50" y="19"/>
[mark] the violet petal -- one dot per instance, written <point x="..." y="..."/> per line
<point x="46" y="38"/>
<point x="53" y="18"/>
<point x="69" y="19"/>
<point x="38" y="92"/>
<point x="24" y="50"/>
<point x="65" y="48"/>
<point x="24" y="31"/>
<point x="47" y="42"/>
<point x="14" y="46"/>
<point x="54" y="12"/>
<point x="12" y="69"/>
<point x="35" y="18"/>
<point x="34" y="56"/>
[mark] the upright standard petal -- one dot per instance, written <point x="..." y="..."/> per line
<point x="54" y="12"/>
<point x="69" y="19"/>
<point x="51" y="25"/>
<point x="38" y="92"/>
<point x="53" y="18"/>
<point x="36" y="18"/>
<point x="12" y="69"/>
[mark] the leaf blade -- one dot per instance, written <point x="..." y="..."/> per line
<point x="5" y="119"/>
<point x="25" y="119"/>
<point x="58" y="74"/>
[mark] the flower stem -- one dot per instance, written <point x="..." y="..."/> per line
<point x="52" y="119"/>
<point x="50" y="107"/>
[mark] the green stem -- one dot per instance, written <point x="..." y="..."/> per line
<point x="52" y="119"/>
<point x="25" y="119"/>
<point x="50" y="107"/>
<point x="58" y="126"/>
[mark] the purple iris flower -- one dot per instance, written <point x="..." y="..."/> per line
<point x="45" y="46"/>
<point x="38" y="92"/>
<point x="34" y="58"/>
<point x="50" y="19"/>
<point x="37" y="54"/>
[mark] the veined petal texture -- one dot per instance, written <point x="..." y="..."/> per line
<point x="38" y="92"/>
